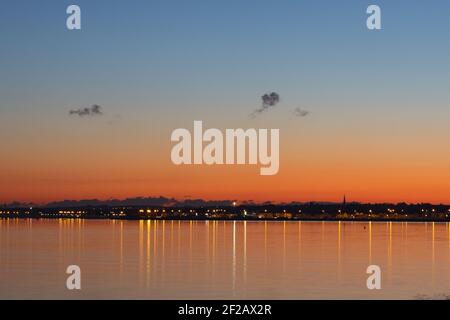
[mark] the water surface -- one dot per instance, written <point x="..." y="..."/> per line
<point x="222" y="260"/>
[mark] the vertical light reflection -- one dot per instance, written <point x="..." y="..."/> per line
<point x="224" y="235"/>
<point x="214" y="249"/>
<point x="300" y="243"/>
<point x="179" y="240"/>
<point x="234" y="259"/>
<point x="432" y="241"/>
<point x="28" y="224"/>
<point x="7" y="258"/>
<point x="390" y="251"/>
<point x="402" y="229"/>
<point x="370" y="242"/>
<point x="148" y="263"/>
<point x="406" y="238"/>
<point x="432" y="252"/>
<point x="141" y="250"/>
<point x="155" y="245"/>
<point x="339" y="251"/>
<point x="1" y="237"/>
<point x="163" y="258"/>
<point x="190" y="248"/>
<point x="171" y="236"/>
<point x="83" y="239"/>
<point x="72" y="234"/>
<point x="190" y="237"/>
<point x="390" y="239"/>
<point x="245" y="256"/>
<point x="323" y="232"/>
<point x="207" y="247"/>
<point x="163" y="239"/>
<point x="155" y="234"/>
<point x="448" y="228"/>
<point x="265" y="243"/>
<point x="60" y="240"/>
<point x="284" y="246"/>
<point x="121" y="250"/>
<point x="79" y="236"/>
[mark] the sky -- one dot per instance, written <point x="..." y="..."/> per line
<point x="378" y="101"/>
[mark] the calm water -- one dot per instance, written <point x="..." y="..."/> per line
<point x="223" y="260"/>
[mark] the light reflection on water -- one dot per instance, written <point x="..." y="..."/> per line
<point x="223" y="260"/>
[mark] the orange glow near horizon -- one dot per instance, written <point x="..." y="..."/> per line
<point x="313" y="180"/>
<point x="366" y="167"/>
<point x="89" y="115"/>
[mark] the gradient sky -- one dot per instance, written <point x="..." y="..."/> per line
<point x="379" y="100"/>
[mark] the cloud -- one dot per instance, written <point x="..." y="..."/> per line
<point x="268" y="100"/>
<point x="94" y="110"/>
<point x="298" y="112"/>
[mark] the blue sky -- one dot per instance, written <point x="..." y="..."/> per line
<point x="158" y="65"/>
<point x="178" y="53"/>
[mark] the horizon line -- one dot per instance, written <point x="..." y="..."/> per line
<point x="164" y="201"/>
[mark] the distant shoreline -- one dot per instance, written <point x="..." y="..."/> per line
<point x="401" y="212"/>
<point x="225" y="219"/>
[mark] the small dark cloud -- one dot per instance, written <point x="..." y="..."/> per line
<point x="94" y="110"/>
<point x="268" y="100"/>
<point x="298" y="112"/>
